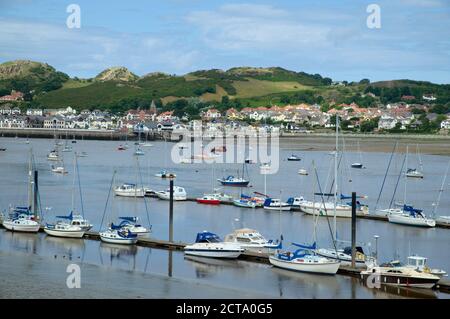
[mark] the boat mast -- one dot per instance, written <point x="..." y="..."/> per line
<point x="335" y="175"/>
<point x="441" y="190"/>
<point x="406" y="174"/>
<point x="73" y="182"/>
<point x="30" y="180"/>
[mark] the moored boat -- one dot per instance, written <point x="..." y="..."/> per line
<point x="64" y="229"/>
<point x="252" y="240"/>
<point x="21" y="220"/>
<point x="118" y="236"/>
<point x="210" y="245"/>
<point x="276" y="204"/>
<point x="179" y="194"/>
<point x="411" y="217"/>
<point x="129" y="190"/>
<point x="294" y="158"/>
<point x="208" y="199"/>
<point x="245" y="203"/>
<point x="234" y="181"/>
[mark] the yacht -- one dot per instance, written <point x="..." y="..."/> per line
<point x="64" y="229"/>
<point x="389" y="274"/>
<point x="208" y="244"/>
<point x="53" y="156"/>
<point x="234" y="181"/>
<point x="304" y="259"/>
<point x="129" y="190"/>
<point x="245" y="203"/>
<point x="420" y="264"/>
<point x="250" y="239"/>
<point x="59" y="169"/>
<point x="412" y="172"/>
<point x="78" y="220"/>
<point x="303" y="172"/>
<point x="345" y="256"/>
<point x="130" y="223"/>
<point x="342" y="210"/>
<point x="208" y="199"/>
<point x="294" y="158"/>
<point x="118" y="236"/>
<point x="21" y="220"/>
<point x="412" y="217"/>
<point x="179" y="194"/>
<point x="295" y="202"/>
<point x="276" y="204"/>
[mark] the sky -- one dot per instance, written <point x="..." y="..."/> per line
<point x="329" y="37"/>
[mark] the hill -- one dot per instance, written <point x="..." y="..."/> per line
<point x="119" y="89"/>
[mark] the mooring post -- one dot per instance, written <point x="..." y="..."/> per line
<point x="353" y="229"/>
<point x="171" y="211"/>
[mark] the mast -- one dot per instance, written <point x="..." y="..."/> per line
<point x="30" y="180"/>
<point x="73" y="181"/>
<point x="441" y="190"/>
<point x="406" y="174"/>
<point x="335" y="175"/>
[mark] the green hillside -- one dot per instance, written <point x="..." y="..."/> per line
<point x="119" y="89"/>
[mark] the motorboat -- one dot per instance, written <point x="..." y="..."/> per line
<point x="121" y="148"/>
<point x="129" y="190"/>
<point x="388" y="274"/>
<point x="64" y="229"/>
<point x="21" y="220"/>
<point x="250" y="239"/>
<point x="420" y="264"/>
<point x="131" y="224"/>
<point x="304" y="259"/>
<point x="179" y="194"/>
<point x="388" y="211"/>
<point x="295" y="202"/>
<point x="139" y="152"/>
<point x="210" y="245"/>
<point x="245" y="203"/>
<point x="208" y="199"/>
<point x="165" y="174"/>
<point x="234" y="181"/>
<point x="59" y="170"/>
<point x="412" y="217"/>
<point x="120" y="236"/>
<point x="222" y="197"/>
<point x="344" y="256"/>
<point x="357" y="165"/>
<point x="276" y="204"/>
<point x="53" y="156"/>
<point x="412" y="172"/>
<point x="302" y="171"/>
<point x="294" y="158"/>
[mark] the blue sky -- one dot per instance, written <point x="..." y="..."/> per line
<point x="178" y="36"/>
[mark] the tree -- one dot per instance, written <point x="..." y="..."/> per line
<point x="364" y="81"/>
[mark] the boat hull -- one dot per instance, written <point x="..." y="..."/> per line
<point x="210" y="253"/>
<point x="410" y="221"/>
<point x="235" y="184"/>
<point x="138" y="193"/>
<point x="345" y="260"/>
<point x="119" y="241"/>
<point x="65" y="233"/>
<point x="329" y="268"/>
<point x="208" y="201"/>
<point x="402" y="281"/>
<point x="278" y="208"/>
<point x="166" y="196"/>
<point x="21" y="228"/>
<point x="244" y="204"/>
<point x="345" y="212"/>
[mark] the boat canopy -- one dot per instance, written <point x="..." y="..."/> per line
<point x="129" y="184"/>
<point x="207" y="237"/>
<point x="129" y="218"/>
<point x="313" y="246"/>
<point x="243" y="196"/>
<point x="69" y="217"/>
<point x="412" y="211"/>
<point x="350" y="197"/>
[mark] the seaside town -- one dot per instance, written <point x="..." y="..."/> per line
<point x="300" y="118"/>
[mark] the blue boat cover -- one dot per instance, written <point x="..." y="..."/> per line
<point x="130" y="219"/>
<point x="70" y="217"/>
<point x="267" y="201"/>
<point x="413" y="211"/>
<point x="313" y="246"/>
<point x="206" y="237"/>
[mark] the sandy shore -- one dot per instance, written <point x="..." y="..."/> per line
<point x="437" y="146"/>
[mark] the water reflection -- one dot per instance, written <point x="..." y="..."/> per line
<point x="71" y="248"/>
<point x="208" y="267"/>
<point x="117" y="255"/>
<point x="21" y="242"/>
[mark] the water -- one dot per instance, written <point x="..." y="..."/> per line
<point x="96" y="172"/>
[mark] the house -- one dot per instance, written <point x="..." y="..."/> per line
<point x="428" y="97"/>
<point x="55" y="122"/>
<point x="166" y="116"/>
<point x="37" y="112"/>
<point x="35" y="121"/>
<point x="387" y="122"/>
<point x="13" y="122"/>
<point x="145" y="127"/>
<point x="233" y="114"/>
<point x="212" y="114"/>
<point x="445" y="124"/>
<point x="14" y="96"/>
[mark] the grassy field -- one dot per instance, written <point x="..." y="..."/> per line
<point x="253" y="87"/>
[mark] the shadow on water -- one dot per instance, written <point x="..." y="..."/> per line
<point x="209" y="267"/>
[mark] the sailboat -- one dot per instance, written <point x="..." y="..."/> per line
<point x="67" y="147"/>
<point x="235" y="181"/>
<point x="332" y="208"/>
<point x="70" y="226"/>
<point x="131" y="224"/>
<point x="413" y="172"/>
<point x="358" y="164"/>
<point x="25" y="219"/>
<point x="410" y="216"/>
<point x="214" y="198"/>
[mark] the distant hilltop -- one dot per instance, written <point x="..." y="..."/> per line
<point x="117" y="88"/>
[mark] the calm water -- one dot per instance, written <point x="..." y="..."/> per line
<point x="96" y="172"/>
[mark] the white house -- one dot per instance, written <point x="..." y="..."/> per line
<point x="55" y="122"/>
<point x="386" y="122"/>
<point x="445" y="124"/>
<point x="38" y="112"/>
<point x="428" y="97"/>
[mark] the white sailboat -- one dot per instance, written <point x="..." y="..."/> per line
<point x="129" y="190"/>
<point x="179" y="194"/>
<point x="24" y="219"/>
<point x="413" y="172"/>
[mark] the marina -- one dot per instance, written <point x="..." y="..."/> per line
<point x="191" y="218"/>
